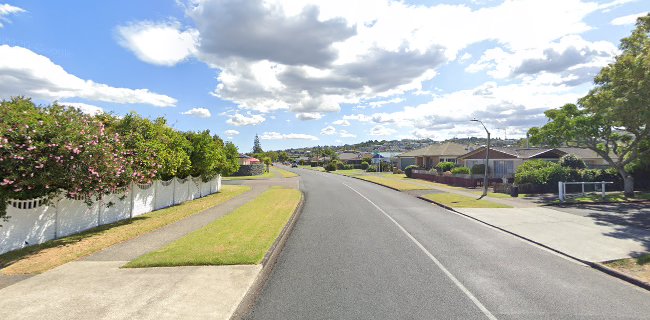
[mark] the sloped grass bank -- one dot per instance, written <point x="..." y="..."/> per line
<point x="241" y="237"/>
<point x="460" y="201"/>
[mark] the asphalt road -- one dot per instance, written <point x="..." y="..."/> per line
<point x="362" y="251"/>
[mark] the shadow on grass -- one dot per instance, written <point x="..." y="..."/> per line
<point x="11" y="257"/>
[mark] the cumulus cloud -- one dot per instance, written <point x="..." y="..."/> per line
<point x="163" y="43"/>
<point x="239" y="119"/>
<point x="84" y="107"/>
<point x="24" y="72"/>
<point x="328" y="131"/>
<point x="231" y="133"/>
<point x="7" y="10"/>
<point x="286" y="136"/>
<point x="380" y="130"/>
<point x="198" y="112"/>
<point x="342" y="123"/>
<point x="627" y="20"/>
<point x="346" y="134"/>
<point x="309" y="115"/>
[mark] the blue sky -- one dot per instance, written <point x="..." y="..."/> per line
<point x="302" y="73"/>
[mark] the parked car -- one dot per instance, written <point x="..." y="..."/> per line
<point x="294" y="165"/>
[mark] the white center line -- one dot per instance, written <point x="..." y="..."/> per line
<point x="460" y="286"/>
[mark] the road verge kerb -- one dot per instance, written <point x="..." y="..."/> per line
<point x="594" y="265"/>
<point x="270" y="258"/>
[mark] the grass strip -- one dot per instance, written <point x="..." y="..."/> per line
<point x="284" y="173"/>
<point x="459" y="201"/>
<point x="635" y="267"/>
<point x="349" y="173"/>
<point x="241" y="237"/>
<point x="48" y="255"/>
<point x="320" y="169"/>
<point x="609" y="197"/>
<point x="266" y="175"/>
<point x="393" y="183"/>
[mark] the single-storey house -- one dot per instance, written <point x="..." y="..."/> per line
<point x="503" y="162"/>
<point x="353" y="158"/>
<point x="244" y="159"/>
<point x="429" y="156"/>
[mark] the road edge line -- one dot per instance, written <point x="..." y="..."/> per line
<point x="439" y="264"/>
<point x="270" y="258"/>
<point x="594" y="265"/>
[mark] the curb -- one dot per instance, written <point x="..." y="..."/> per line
<point x="270" y="258"/>
<point x="594" y="265"/>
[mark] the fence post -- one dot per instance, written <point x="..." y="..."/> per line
<point x="56" y="218"/>
<point x="173" y="191"/>
<point x="583" y="187"/>
<point x="560" y="188"/>
<point x="602" y="190"/>
<point x="132" y="199"/>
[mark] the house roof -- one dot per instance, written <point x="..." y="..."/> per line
<point x="243" y="156"/>
<point x="437" y="149"/>
<point x="527" y="153"/>
<point x="350" y="156"/>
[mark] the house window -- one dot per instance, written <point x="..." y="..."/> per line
<point x="503" y="167"/>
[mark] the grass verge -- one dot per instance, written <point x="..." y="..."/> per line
<point x="266" y="175"/>
<point x="284" y="173"/>
<point x="459" y="201"/>
<point x="636" y="267"/>
<point x="609" y="197"/>
<point x="349" y="173"/>
<point x="320" y="169"/>
<point x="393" y="183"/>
<point x="40" y="258"/>
<point x="241" y="237"/>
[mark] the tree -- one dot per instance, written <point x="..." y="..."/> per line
<point x="283" y="156"/>
<point x="257" y="147"/>
<point x="613" y="118"/>
<point x="572" y="161"/>
<point x="207" y="155"/>
<point x="267" y="162"/>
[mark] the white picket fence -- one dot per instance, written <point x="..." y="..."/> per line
<point x="33" y="221"/>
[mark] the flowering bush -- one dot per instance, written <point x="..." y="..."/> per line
<point x="46" y="151"/>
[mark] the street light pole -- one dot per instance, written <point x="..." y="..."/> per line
<point x="487" y="158"/>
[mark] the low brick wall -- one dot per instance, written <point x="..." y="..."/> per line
<point x="250" y="170"/>
<point x="450" y="180"/>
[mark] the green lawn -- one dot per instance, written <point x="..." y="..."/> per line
<point x="51" y="254"/>
<point x="351" y="172"/>
<point x="321" y="169"/>
<point x="609" y="197"/>
<point x="241" y="237"/>
<point x="393" y="183"/>
<point x="459" y="201"/>
<point x="266" y="175"/>
<point x="284" y="173"/>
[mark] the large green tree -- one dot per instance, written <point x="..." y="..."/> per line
<point x="613" y="118"/>
<point x="257" y="146"/>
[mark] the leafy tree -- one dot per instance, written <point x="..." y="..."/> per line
<point x="613" y="118"/>
<point x="445" y="166"/>
<point x="283" y="156"/>
<point x="232" y="159"/>
<point x="572" y="161"/>
<point x="257" y="147"/>
<point x="267" y="161"/>
<point x="207" y="155"/>
<point x="273" y="155"/>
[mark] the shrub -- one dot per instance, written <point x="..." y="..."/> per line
<point x="460" y="170"/>
<point x="372" y="169"/>
<point x="445" y="166"/>
<point x="330" y="166"/>
<point x="409" y="170"/>
<point x="544" y="173"/>
<point x="364" y="165"/>
<point x="348" y="167"/>
<point x="572" y="161"/>
<point x="478" y="169"/>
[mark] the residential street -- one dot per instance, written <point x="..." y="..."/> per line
<point x="362" y="251"/>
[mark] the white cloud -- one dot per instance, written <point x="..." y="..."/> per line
<point x="309" y="115"/>
<point x="158" y="43"/>
<point x="378" y="104"/>
<point x="328" y="131"/>
<point x="7" y="10"/>
<point x="346" y="134"/>
<point x="358" y="117"/>
<point x="239" y="119"/>
<point x="85" y="108"/>
<point x="288" y="136"/>
<point x="23" y="72"/>
<point x="380" y="130"/>
<point x="424" y="134"/>
<point x="342" y="123"/>
<point x="198" y="112"/>
<point x="627" y="20"/>
<point x="231" y="133"/>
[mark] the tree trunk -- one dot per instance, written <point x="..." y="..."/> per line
<point x="628" y="183"/>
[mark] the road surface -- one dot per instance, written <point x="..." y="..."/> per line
<point x="362" y="251"/>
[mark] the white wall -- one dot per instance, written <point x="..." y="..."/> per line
<point x="33" y="222"/>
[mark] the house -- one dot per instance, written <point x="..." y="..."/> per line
<point x="353" y="158"/>
<point x="244" y="159"/>
<point x="429" y="156"/>
<point x="503" y="162"/>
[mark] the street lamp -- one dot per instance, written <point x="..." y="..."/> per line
<point x="487" y="157"/>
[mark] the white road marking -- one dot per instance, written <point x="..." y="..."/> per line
<point x="458" y="284"/>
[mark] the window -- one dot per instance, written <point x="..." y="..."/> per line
<point x="503" y="167"/>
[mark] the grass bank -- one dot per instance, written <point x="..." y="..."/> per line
<point x="393" y="183"/>
<point x="460" y="201"/>
<point x="40" y="258"/>
<point x="284" y="173"/>
<point x="609" y="197"/>
<point x="241" y="237"/>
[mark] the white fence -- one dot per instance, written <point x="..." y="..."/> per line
<point x="33" y="222"/>
<point x="562" y="194"/>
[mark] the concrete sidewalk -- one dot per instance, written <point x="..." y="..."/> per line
<point x="582" y="237"/>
